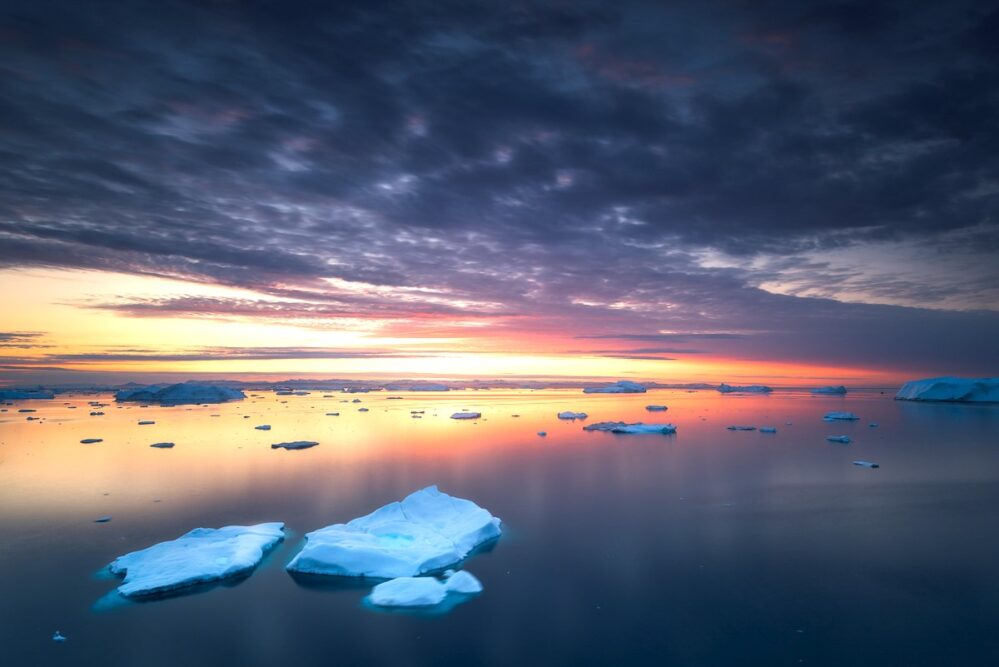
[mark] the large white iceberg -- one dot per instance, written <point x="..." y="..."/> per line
<point x="835" y="391"/>
<point x="749" y="389"/>
<point x="425" y="532"/>
<point x="422" y="591"/>
<point x="619" y="387"/>
<point x="201" y="556"/>
<point x="182" y="393"/>
<point x="963" y="390"/>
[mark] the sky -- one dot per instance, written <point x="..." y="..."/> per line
<point x="790" y="192"/>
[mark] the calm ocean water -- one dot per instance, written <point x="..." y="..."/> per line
<point x="708" y="547"/>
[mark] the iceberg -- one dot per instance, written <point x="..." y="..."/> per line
<point x="21" y="394"/>
<point x="749" y="389"/>
<point x="840" y="417"/>
<point x="425" y="532"/>
<point x="180" y="394"/>
<point x="568" y="414"/>
<point x="162" y="445"/>
<point x="867" y="464"/>
<point x="952" y="389"/>
<point x="90" y="441"/>
<point x="146" y="422"/>
<point x="423" y="591"/>
<point x="741" y="428"/>
<point x="296" y="444"/>
<point x="656" y="408"/>
<point x="768" y="429"/>
<point x="263" y="427"/>
<point x="466" y="415"/>
<point x="200" y="556"/>
<point x="839" y="390"/>
<point x="842" y="439"/>
<point x="58" y="637"/>
<point x="636" y="428"/>
<point x="619" y="387"/>
<point x="542" y="433"/>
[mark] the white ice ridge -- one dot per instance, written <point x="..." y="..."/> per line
<point x="201" y="556"/>
<point x="423" y="591"/>
<point x="954" y="389"/>
<point x="180" y="394"/>
<point x="637" y="428"/>
<point x="619" y="387"/>
<point x="425" y="532"/>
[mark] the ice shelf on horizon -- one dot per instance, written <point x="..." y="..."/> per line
<point x="201" y="556"/>
<point x="749" y="389"/>
<point x="952" y="389"/>
<point x="182" y="393"/>
<point x="425" y="532"/>
<point x="619" y="387"/>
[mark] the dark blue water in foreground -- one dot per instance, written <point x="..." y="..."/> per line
<point x="709" y="547"/>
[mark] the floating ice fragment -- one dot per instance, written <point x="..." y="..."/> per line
<point x="162" y="445"/>
<point x="263" y="427"/>
<point x="741" y="428"/>
<point x="542" y="433"/>
<point x="568" y="414"/>
<point x="203" y="555"/>
<point x="636" y="428"/>
<point x="837" y="390"/>
<point x="58" y="637"/>
<point x="840" y="416"/>
<point x="867" y="464"/>
<point x="768" y="429"/>
<point x="844" y="439"/>
<point x="90" y="441"/>
<point x="466" y="415"/>
<point x="426" y="532"/>
<point x="656" y="408"/>
<point x="295" y="444"/>
<point x="146" y="422"/>
<point x="750" y="389"/>
<point x="103" y="519"/>
<point x="422" y="591"/>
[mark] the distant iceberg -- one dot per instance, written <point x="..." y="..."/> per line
<point x="741" y="428"/>
<point x="201" y="556"/>
<point x="953" y="389"/>
<point x="867" y="464"/>
<point x="656" y="408"/>
<point x="20" y="394"/>
<point x="466" y="415"/>
<point x="842" y="439"/>
<point x="422" y="591"/>
<point x="768" y="429"/>
<point x="636" y="428"/>
<point x="295" y="444"/>
<point x="840" y="417"/>
<point x="426" y="532"/>
<point x="422" y="386"/>
<point x="568" y="414"/>
<point x="836" y="391"/>
<point x="619" y="387"/>
<point x="749" y="389"/>
<point x="183" y="393"/>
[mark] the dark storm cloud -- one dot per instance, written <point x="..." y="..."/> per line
<point x="567" y="163"/>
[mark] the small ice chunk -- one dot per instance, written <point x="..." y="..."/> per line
<point x="332" y="414"/>
<point x="768" y="429"/>
<point x="295" y="444"/>
<point x="263" y="427"/>
<point x="103" y="519"/>
<point x="840" y="417"/>
<point x="749" y="389"/>
<point x="146" y="422"/>
<point x="867" y="464"/>
<point x="90" y="441"/>
<point x="568" y="414"/>
<point x="656" y="408"/>
<point x="741" y="428"/>
<point x="409" y="592"/>
<point x="200" y="556"/>
<point x="463" y="582"/>
<point x="542" y="433"/>
<point x="425" y="532"/>
<point x="162" y="445"/>
<point x="844" y="439"/>
<point x="58" y="637"/>
<point x="362" y="409"/>
<point x="466" y="415"/>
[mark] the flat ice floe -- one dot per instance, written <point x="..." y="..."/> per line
<point x="768" y="429"/>
<point x="295" y="444"/>
<point x="952" y="389"/>
<point x="425" y="532"/>
<point x="867" y="464"/>
<point x="619" y="387"/>
<point x="568" y="414"/>
<point x="840" y="417"/>
<point x="466" y="415"/>
<point x="636" y="428"/>
<point x="162" y="445"/>
<point x="656" y="408"/>
<point x="201" y="556"/>
<point x="183" y="393"/>
<point x="423" y="591"/>
<point x="741" y="428"/>
<point x="838" y="390"/>
<point x="749" y="389"/>
<point x="842" y="439"/>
